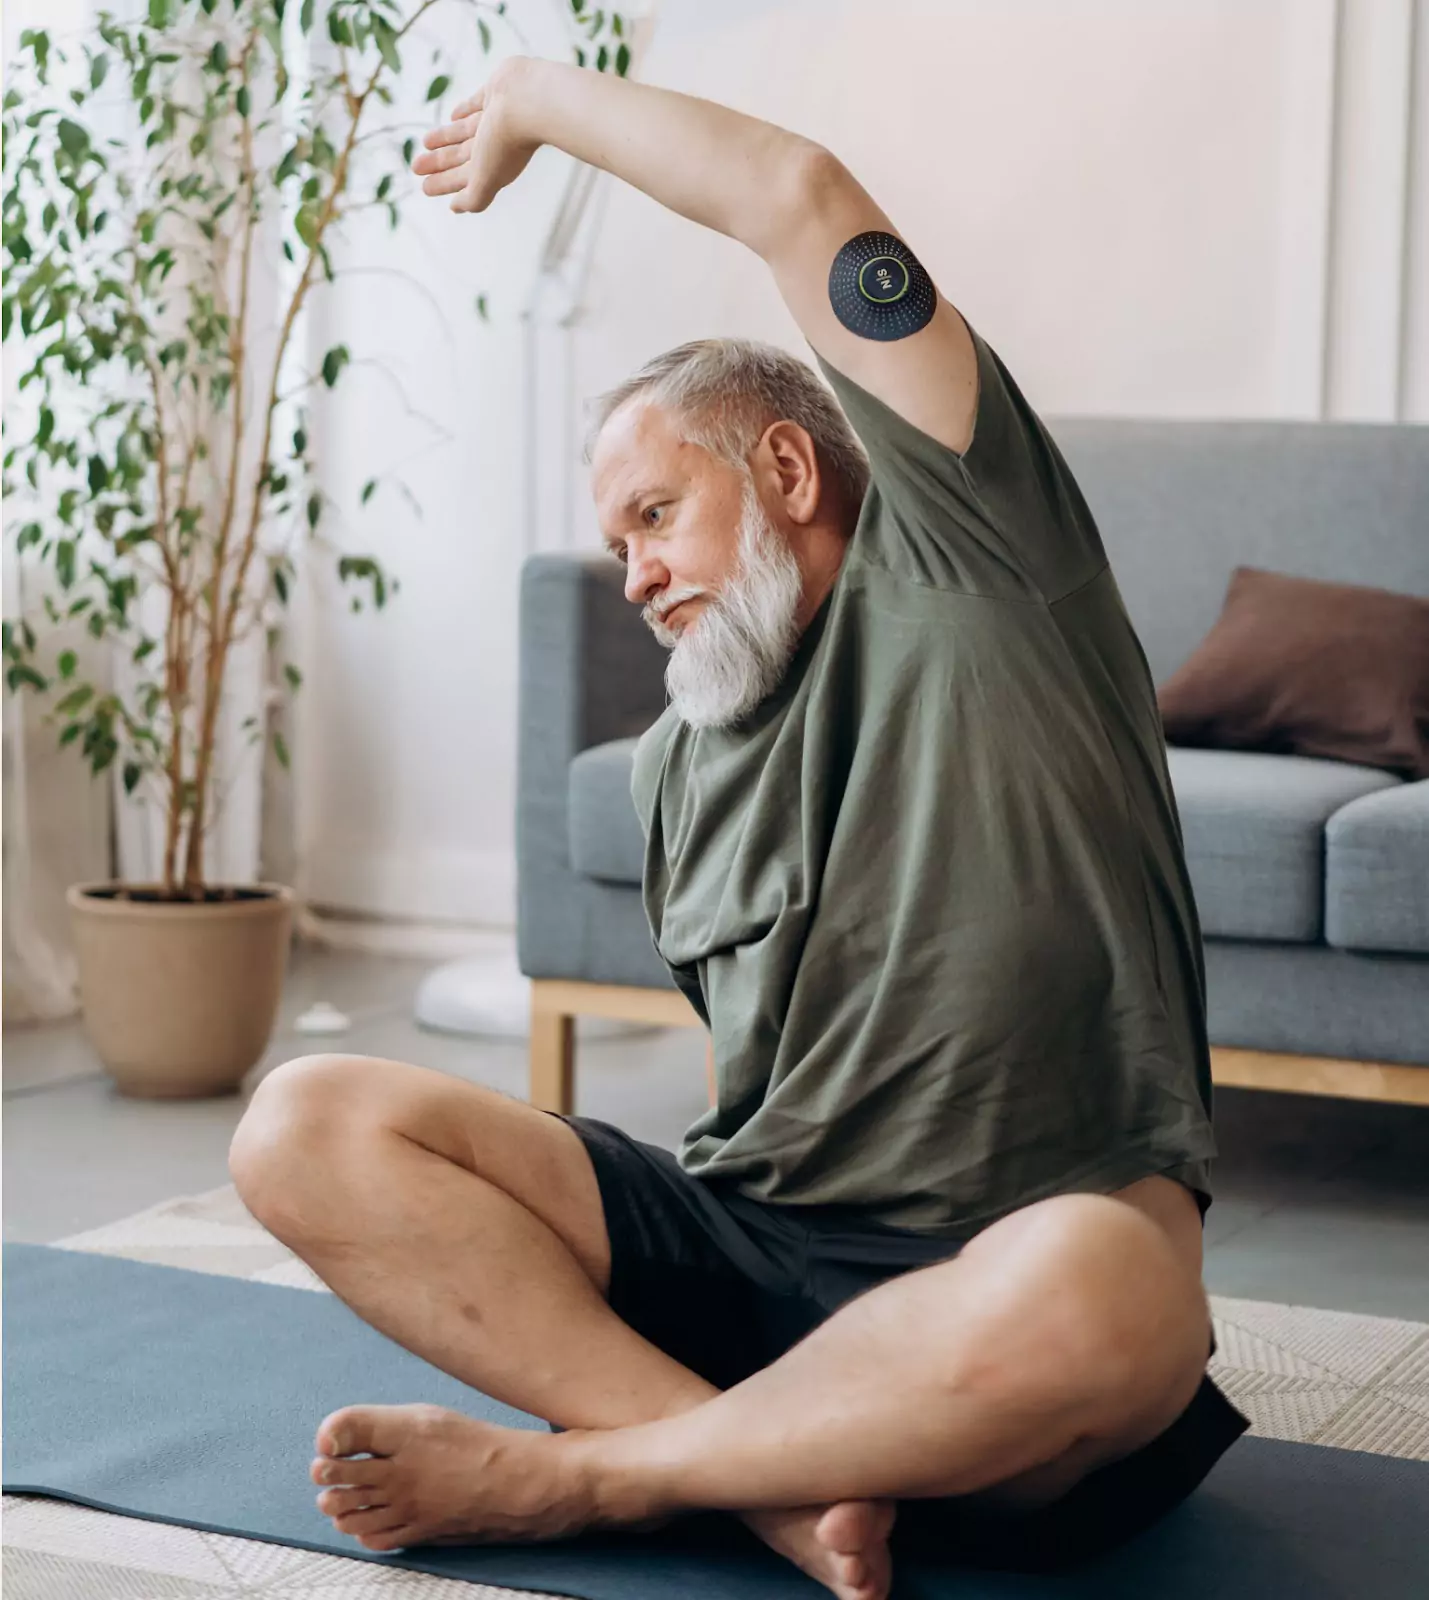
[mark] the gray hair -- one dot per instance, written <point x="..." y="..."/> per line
<point x="726" y="392"/>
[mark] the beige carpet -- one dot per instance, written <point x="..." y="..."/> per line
<point x="1323" y="1377"/>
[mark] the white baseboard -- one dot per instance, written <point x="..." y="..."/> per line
<point x="427" y="941"/>
<point x="475" y="889"/>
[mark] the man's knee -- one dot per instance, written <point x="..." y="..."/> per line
<point x="1101" y="1312"/>
<point x="289" y="1143"/>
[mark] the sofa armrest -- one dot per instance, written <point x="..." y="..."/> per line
<point x="590" y="671"/>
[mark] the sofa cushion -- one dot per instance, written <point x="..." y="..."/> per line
<point x="1377" y="872"/>
<point x="1254" y="831"/>
<point x="605" y="837"/>
<point x="1295" y="666"/>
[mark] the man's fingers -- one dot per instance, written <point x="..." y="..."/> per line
<point x="454" y="132"/>
<point x="471" y="104"/>
<point x="441" y="160"/>
<point x="452" y="182"/>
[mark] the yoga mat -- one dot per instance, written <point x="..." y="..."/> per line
<point x="188" y="1398"/>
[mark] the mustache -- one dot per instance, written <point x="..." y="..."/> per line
<point x="661" y="607"/>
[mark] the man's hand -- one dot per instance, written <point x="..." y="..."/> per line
<point x="475" y="155"/>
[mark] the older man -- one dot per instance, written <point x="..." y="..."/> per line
<point x="912" y="854"/>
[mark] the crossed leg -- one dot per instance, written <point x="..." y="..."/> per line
<point x="469" y="1228"/>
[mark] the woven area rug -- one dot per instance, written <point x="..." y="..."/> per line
<point x="1320" y="1377"/>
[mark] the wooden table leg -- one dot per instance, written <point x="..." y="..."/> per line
<point x="553" y="1057"/>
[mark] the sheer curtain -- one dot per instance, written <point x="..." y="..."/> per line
<point x="56" y="832"/>
<point x="56" y="816"/>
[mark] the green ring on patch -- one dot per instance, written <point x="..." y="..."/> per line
<point x="887" y="299"/>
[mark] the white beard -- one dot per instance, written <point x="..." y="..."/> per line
<point x="735" y="652"/>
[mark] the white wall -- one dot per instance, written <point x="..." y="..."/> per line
<point x="1187" y="208"/>
<point x="405" y="729"/>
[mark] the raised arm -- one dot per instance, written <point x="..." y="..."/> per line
<point x="861" y="297"/>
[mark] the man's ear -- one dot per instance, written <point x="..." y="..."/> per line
<point x="792" y="458"/>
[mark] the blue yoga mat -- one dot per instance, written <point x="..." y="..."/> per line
<point x="182" y="1397"/>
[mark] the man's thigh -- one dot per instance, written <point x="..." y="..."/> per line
<point x="534" y="1157"/>
<point x="1083" y="1311"/>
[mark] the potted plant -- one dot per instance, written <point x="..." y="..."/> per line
<point x="157" y="180"/>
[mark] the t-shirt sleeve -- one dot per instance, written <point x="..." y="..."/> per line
<point x="1005" y="518"/>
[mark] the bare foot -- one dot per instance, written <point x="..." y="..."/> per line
<point x="843" y="1546"/>
<point x="395" y="1476"/>
<point x="429" y="1476"/>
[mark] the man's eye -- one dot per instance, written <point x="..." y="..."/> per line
<point x="648" y="515"/>
<point x="622" y="556"/>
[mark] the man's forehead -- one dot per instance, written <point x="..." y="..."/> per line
<point x="635" y="456"/>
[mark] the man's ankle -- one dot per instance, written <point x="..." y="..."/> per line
<point x="613" y="1479"/>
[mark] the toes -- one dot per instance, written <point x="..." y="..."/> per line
<point x="362" y="1430"/>
<point x="366" y="1472"/>
<point x="342" y="1502"/>
<point x="393" y="1539"/>
<point x="381" y="1523"/>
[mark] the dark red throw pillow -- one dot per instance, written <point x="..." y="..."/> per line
<point x="1311" y="669"/>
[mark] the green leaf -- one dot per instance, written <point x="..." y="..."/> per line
<point x="368" y="490"/>
<point x="73" y="137"/>
<point x="338" y="29"/>
<point x="218" y="56"/>
<point x="485" y="33"/>
<point x="98" y="69"/>
<point x="385" y="36"/>
<point x="384" y="187"/>
<point x="244" y="101"/>
<point x="315" y="508"/>
<point x="481" y="308"/>
<point x="280" y="583"/>
<point x="76" y="700"/>
<point x="438" y="86"/>
<point x="22" y="674"/>
<point x="305" y="16"/>
<point x="578" y="6"/>
<point x="67" y="663"/>
<point x="98" y="475"/>
<point x="409" y="149"/>
<point x="294" y="677"/>
<point x="300" y="441"/>
<point x="622" y="60"/>
<point x="333" y="363"/>
<point x="71" y="733"/>
<point x="159" y="13"/>
<point x="64" y="562"/>
<point x="602" y="59"/>
<point x="306" y="222"/>
<point x="280" y="749"/>
<point x="133" y="772"/>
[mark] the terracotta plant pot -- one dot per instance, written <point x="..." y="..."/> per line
<point x="179" y="998"/>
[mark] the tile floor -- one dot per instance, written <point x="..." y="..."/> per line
<point x="1318" y="1202"/>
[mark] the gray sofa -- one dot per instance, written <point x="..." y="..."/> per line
<point x="1311" y="877"/>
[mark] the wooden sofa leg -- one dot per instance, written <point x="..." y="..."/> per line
<point x="553" y="1056"/>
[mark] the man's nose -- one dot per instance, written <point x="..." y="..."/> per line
<point x="644" y="577"/>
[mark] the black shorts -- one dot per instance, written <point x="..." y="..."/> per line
<point x="726" y="1284"/>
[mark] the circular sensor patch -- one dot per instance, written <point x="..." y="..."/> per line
<point x="878" y="288"/>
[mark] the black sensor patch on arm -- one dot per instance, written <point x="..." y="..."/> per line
<point x="878" y="288"/>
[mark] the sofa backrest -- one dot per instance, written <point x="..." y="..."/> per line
<point x="1181" y="504"/>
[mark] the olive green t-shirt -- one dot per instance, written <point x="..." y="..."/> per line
<point x="930" y="896"/>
